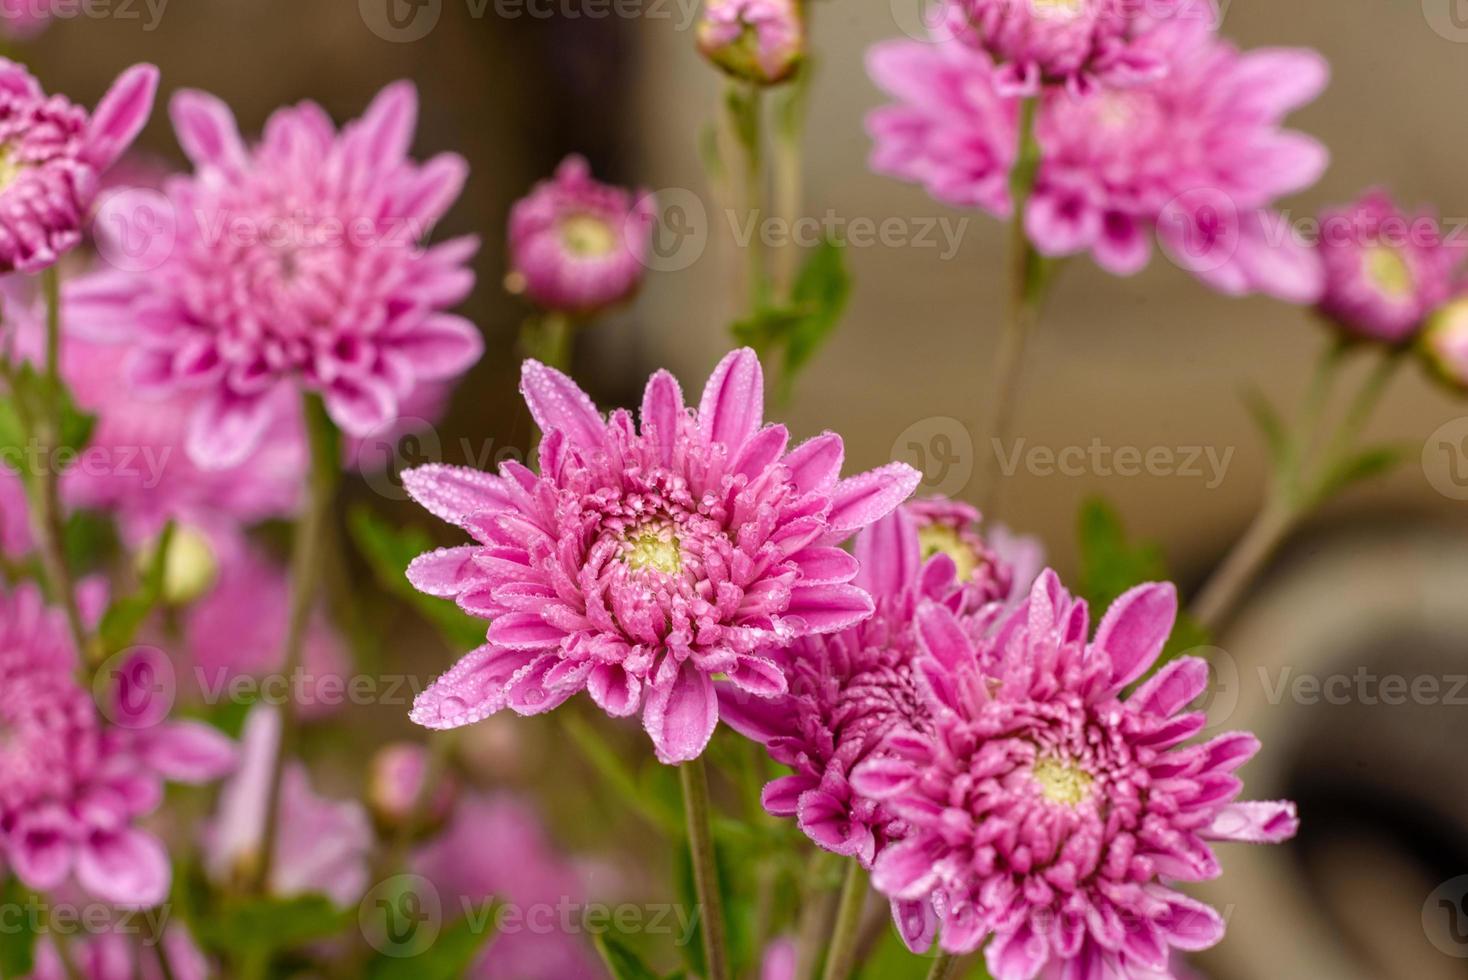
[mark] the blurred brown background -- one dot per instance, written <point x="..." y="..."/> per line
<point x="1378" y="582"/>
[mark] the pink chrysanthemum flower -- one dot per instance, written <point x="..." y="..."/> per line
<point x="757" y="40"/>
<point x="640" y="563"/>
<point x="1385" y="270"/>
<point x="1444" y="344"/>
<point x="849" y="690"/>
<point x="1197" y="158"/>
<point x="323" y="844"/>
<point x="951" y="527"/>
<point x="577" y="245"/>
<point x="72" y="782"/>
<point x="1078" y="44"/>
<point x="523" y="871"/>
<point x="300" y="262"/>
<point x="1046" y="816"/>
<point x="52" y="155"/>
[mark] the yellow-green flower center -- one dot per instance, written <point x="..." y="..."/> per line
<point x="942" y="539"/>
<point x="587" y="236"/>
<point x="1058" y="8"/>
<point x="10" y="170"/>
<point x="1062" y="783"/>
<point x="1389" y="271"/>
<point x="655" y="548"/>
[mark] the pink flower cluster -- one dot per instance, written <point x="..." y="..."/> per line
<point x="1045" y="814"/>
<point x="643" y="560"/>
<point x="1196" y="158"/>
<point x="52" y="155"/>
<point x="73" y="778"/>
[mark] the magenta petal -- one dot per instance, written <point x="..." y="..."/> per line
<point x="758" y="676"/>
<point x="615" y="691"/>
<point x="1189" y="924"/>
<point x="828" y="821"/>
<point x="890" y="555"/>
<point x="127" y="867"/>
<point x="472" y="691"/>
<point x="1017" y="954"/>
<point x="756" y="718"/>
<point x="828" y="608"/>
<point x="1172" y="688"/>
<point x="816" y="464"/>
<point x="781" y="797"/>
<point x="361" y="405"/>
<point x="862" y="499"/>
<point x="822" y="566"/>
<point x="434" y="189"/>
<point x="943" y="638"/>
<point x="442" y="347"/>
<point x="121" y="115"/>
<point x="226" y="430"/>
<point x="681" y="715"/>
<point x="882" y="778"/>
<point x="388" y="123"/>
<point x="451" y="493"/>
<point x="207" y="130"/>
<point x="524" y="631"/>
<point x="1135" y="629"/>
<point x="530" y="691"/>
<point x="662" y="409"/>
<point x="1255" y="822"/>
<point x="189" y="752"/>
<point x="733" y="402"/>
<point x="443" y="573"/>
<point x="906" y="870"/>
<point x="916" y="924"/>
<point x="41" y="848"/>
<point x="557" y="404"/>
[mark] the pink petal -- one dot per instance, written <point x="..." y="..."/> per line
<point x="445" y="572"/>
<point x="472" y="691"/>
<point x="524" y="631"/>
<point x="190" y="752"/>
<point x="41" y="848"/>
<point x="556" y="403"/>
<point x="760" y="452"/>
<point x="389" y="122"/>
<point x="890" y="555"/>
<point x="860" y="500"/>
<point x="781" y="797"/>
<point x="821" y="566"/>
<point x="758" y="676"/>
<point x="733" y="400"/>
<point x="906" y="870"/>
<point x="121" y="115"/>
<point x="361" y="405"/>
<point x="1189" y="924"/>
<point x="451" y="493"/>
<point x="127" y="867"/>
<point x="816" y="463"/>
<point x="882" y="778"/>
<point x="681" y="715"/>
<point x="916" y="924"/>
<point x="433" y="189"/>
<point x="207" y="130"/>
<point x="756" y="718"/>
<point x="943" y="638"/>
<point x="225" y="430"/>
<point x="1135" y="629"/>
<point x="530" y="691"/>
<point x="615" y="691"/>
<point x="662" y="408"/>
<point x="1172" y="688"/>
<point x="828" y="608"/>
<point x="828" y="821"/>
<point x="1256" y="822"/>
<point x="442" y="347"/>
<point x="1017" y="955"/>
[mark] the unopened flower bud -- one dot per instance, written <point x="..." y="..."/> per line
<point x="190" y="567"/>
<point x="760" y="41"/>
<point x="396" y="784"/>
<point x="1444" y="343"/>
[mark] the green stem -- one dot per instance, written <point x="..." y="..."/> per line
<point x="841" y="955"/>
<point x="694" y="777"/>
<point x="1027" y="288"/>
<point x="944" y="967"/>
<point x="306" y="565"/>
<point x="550" y="338"/>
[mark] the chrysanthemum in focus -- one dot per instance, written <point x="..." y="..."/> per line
<point x="1197" y="159"/>
<point x="577" y="245"/>
<point x="73" y="782"/>
<point x="1046" y="816"/>
<point x="299" y="262"/>
<point x="644" y="559"/>
<point x="52" y="155"/>
<point x="1081" y="45"/>
<point x="1385" y="270"/>
<point x="760" y="41"/>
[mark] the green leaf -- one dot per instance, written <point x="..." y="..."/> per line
<point x="821" y="290"/>
<point x="449" y="958"/>
<point x="89" y="539"/>
<point x="1269" y="423"/>
<point x="127" y="614"/>
<point x="621" y="961"/>
<point x="389" y="551"/>
<point x="767" y="329"/>
<point x="272" y="924"/>
<point x="18" y="947"/>
<point x="1364" y="465"/>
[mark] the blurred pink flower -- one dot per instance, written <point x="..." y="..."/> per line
<point x="72" y="782"/>
<point x="322" y="845"/>
<point x="639" y="564"/>
<point x="15" y="527"/>
<point x="118" y="955"/>
<point x="23" y="19"/>
<point x="1385" y="270"/>
<point x="53" y="158"/>
<point x="849" y="690"/>
<point x="1197" y="158"/>
<point x="951" y="527"/>
<point x="1078" y="44"/>
<point x="1444" y="344"/>
<point x="1047" y="818"/>
<point x="396" y="781"/>
<point x="237" y="629"/>
<point x="780" y="960"/>
<point x="300" y="262"/>
<point x="521" y="870"/>
<point x="760" y="41"/>
<point x="578" y="245"/>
